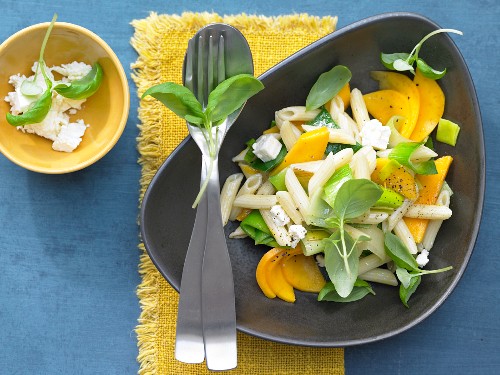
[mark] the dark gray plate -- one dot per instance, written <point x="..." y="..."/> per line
<point x="167" y="219"/>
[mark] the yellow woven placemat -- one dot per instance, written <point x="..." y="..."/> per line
<point x="161" y="41"/>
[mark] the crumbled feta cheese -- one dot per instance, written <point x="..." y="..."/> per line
<point x="56" y="126"/>
<point x="375" y="134"/>
<point x="422" y="258"/>
<point x="297" y="232"/>
<point x="73" y="71"/>
<point x="69" y="136"/>
<point x="267" y="147"/>
<point x="279" y="216"/>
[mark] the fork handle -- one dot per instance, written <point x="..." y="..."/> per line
<point x="218" y="301"/>
<point x="189" y="346"/>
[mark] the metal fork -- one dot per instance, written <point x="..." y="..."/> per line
<point x="206" y="319"/>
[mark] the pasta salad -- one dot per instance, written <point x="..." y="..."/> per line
<point x="348" y="182"/>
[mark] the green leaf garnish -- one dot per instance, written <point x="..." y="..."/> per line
<point x="82" y="88"/>
<point x="352" y="199"/>
<point x="361" y="289"/>
<point x="406" y="292"/>
<point x="230" y="95"/>
<point x="178" y="99"/>
<point x="327" y="86"/>
<point x="226" y="98"/>
<point x="399" y="253"/>
<point x="35" y="114"/>
<point x="403" y="62"/>
<point x="40" y="107"/>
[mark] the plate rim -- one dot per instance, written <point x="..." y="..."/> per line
<point x="477" y="212"/>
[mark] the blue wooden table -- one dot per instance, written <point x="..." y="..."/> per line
<point x="68" y="244"/>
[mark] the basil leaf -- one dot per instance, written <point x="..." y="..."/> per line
<point x="231" y="94"/>
<point x="429" y="143"/>
<point x="324" y="119"/>
<point x="327" y="86"/>
<point x="428" y="72"/>
<point x="355" y="197"/>
<point x="398" y="252"/>
<point x="177" y="98"/>
<point x="406" y="292"/>
<point x="388" y="59"/>
<point x="36" y="113"/>
<point x="402" y="154"/>
<point x="341" y="262"/>
<point x="404" y="276"/>
<point x="268" y="165"/>
<point x="84" y="87"/>
<point x="257" y="229"/>
<point x="361" y="288"/>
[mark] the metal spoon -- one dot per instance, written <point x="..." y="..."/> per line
<point x="206" y="319"/>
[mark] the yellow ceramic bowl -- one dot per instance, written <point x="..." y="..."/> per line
<point x="106" y="111"/>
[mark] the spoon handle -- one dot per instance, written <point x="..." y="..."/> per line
<point x="189" y="346"/>
<point x="218" y="301"/>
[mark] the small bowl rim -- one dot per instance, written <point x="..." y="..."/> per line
<point x="126" y="98"/>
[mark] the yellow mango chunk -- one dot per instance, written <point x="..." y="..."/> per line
<point x="384" y="104"/>
<point x="404" y="85"/>
<point x="309" y="147"/>
<point x="303" y="273"/>
<point x="431" y="186"/>
<point x="431" y="107"/>
<point x="400" y="180"/>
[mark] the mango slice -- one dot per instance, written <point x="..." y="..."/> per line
<point x="384" y="104"/>
<point x="400" y="180"/>
<point x="260" y="272"/>
<point x="431" y="106"/>
<point x="431" y="186"/>
<point x="303" y="273"/>
<point x="276" y="279"/>
<point x="404" y="85"/>
<point x="310" y="146"/>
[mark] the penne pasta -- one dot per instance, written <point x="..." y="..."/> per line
<point x="397" y="215"/>
<point x="289" y="134"/>
<point x="285" y="200"/>
<point x="428" y="211"/>
<point x="380" y="275"/>
<point x="296" y="113"/>
<point x="321" y="176"/>
<point x="250" y="186"/>
<point x="358" y="107"/>
<point x="255" y="202"/>
<point x="371" y="217"/>
<point x="280" y="234"/>
<point x="266" y="188"/>
<point x="308" y="166"/>
<point x="434" y="225"/>
<point x="370" y="262"/>
<point x="297" y="192"/>
<point x="401" y="230"/>
<point x="228" y="194"/>
<point x="241" y="156"/>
